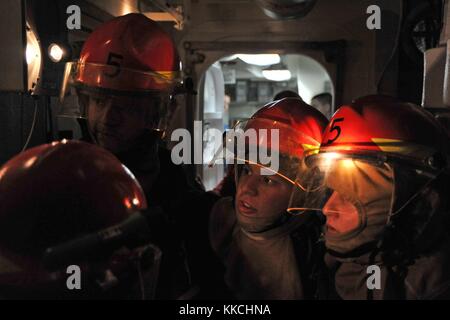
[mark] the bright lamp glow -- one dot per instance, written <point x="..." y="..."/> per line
<point x="329" y="158"/>
<point x="277" y="75"/>
<point x="260" y="59"/>
<point x="32" y="50"/>
<point x="31" y="53"/>
<point x="55" y="52"/>
<point x="33" y="58"/>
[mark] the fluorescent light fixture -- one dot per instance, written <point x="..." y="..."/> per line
<point x="277" y="75"/>
<point x="260" y="59"/>
<point x="277" y="72"/>
<point x="229" y="58"/>
<point x="55" y="52"/>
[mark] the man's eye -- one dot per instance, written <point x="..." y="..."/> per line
<point x="269" y="181"/>
<point x="99" y="102"/>
<point x="246" y="171"/>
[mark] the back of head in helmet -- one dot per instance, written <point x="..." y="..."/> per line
<point x="122" y="82"/>
<point x="49" y="195"/>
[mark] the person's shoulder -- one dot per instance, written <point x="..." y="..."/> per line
<point x="221" y="222"/>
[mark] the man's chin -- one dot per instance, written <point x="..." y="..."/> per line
<point x="331" y="230"/>
<point x="252" y="224"/>
<point x="112" y="145"/>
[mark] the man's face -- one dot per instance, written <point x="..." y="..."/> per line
<point x="360" y="191"/>
<point x="342" y="215"/>
<point x="116" y="122"/>
<point x="260" y="199"/>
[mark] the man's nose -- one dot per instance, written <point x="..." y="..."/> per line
<point x="250" y="185"/>
<point x="337" y="205"/>
<point x="111" y="115"/>
<point x="334" y="204"/>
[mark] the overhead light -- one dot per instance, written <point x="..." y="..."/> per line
<point x="277" y="75"/>
<point x="260" y="59"/>
<point x="229" y="58"/>
<point x="278" y="72"/>
<point x="55" y="52"/>
<point x="286" y="9"/>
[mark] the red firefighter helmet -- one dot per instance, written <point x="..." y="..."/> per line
<point x="285" y="129"/>
<point x="129" y="53"/>
<point x="379" y="154"/>
<point x="383" y="127"/>
<point x="56" y="192"/>
<point x="131" y="56"/>
<point x="300" y="125"/>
